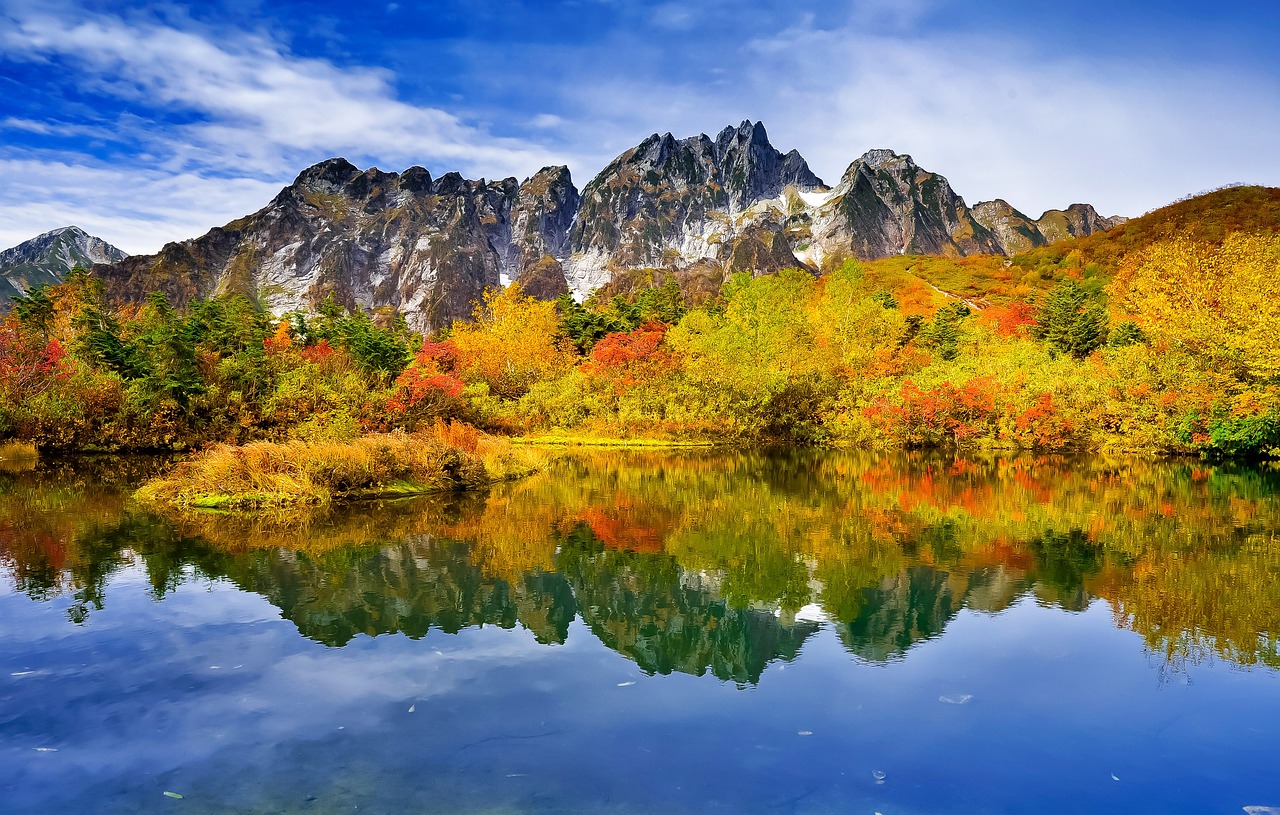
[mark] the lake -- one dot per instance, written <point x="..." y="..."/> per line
<point x="654" y="632"/>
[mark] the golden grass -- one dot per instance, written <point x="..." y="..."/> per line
<point x="267" y="475"/>
<point x="17" y="457"/>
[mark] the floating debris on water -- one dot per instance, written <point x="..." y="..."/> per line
<point x="412" y="708"/>
<point x="804" y="732"/>
<point x="625" y="684"/>
<point x="168" y="794"/>
<point x="878" y="775"/>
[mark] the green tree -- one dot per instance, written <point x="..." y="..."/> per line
<point x="1073" y="320"/>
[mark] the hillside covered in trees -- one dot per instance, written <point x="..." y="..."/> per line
<point x="1156" y="336"/>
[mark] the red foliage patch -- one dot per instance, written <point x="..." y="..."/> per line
<point x="631" y="358"/>
<point x="428" y="387"/>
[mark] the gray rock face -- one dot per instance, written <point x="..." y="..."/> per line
<point x="699" y="208"/>
<point x="886" y="205"/>
<point x="543" y="216"/>
<point x="422" y="246"/>
<point x="45" y="259"/>
<point x="669" y="202"/>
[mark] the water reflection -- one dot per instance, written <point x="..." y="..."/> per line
<point x="707" y="563"/>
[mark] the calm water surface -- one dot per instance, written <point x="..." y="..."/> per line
<point x="654" y="633"/>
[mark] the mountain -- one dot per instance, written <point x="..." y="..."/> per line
<point x="46" y="258"/>
<point x="886" y="205"/>
<point x="669" y="202"/>
<point x="699" y="207"/>
<point x="1018" y="233"/>
<point x="373" y="240"/>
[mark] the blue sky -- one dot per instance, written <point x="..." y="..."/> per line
<point x="146" y="122"/>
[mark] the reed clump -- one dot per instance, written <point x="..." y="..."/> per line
<point x="266" y="475"/>
<point x="17" y="457"/>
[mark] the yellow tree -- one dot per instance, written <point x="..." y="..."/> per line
<point x="512" y="343"/>
<point x="1218" y="303"/>
<point x="852" y="324"/>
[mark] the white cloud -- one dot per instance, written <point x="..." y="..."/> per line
<point x="259" y="115"/>
<point x="1040" y="132"/>
<point x="998" y="119"/>
<point x="261" y="103"/>
<point x="545" y="120"/>
<point x="135" y="209"/>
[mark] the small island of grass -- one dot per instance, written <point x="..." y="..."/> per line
<point x="265" y="475"/>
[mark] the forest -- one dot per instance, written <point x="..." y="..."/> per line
<point x="1166" y="348"/>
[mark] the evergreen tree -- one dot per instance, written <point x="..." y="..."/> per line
<point x="1073" y="320"/>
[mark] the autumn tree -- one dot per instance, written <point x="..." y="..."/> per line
<point x="1219" y="304"/>
<point x="513" y="342"/>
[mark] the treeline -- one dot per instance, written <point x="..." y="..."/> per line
<point x="1173" y="353"/>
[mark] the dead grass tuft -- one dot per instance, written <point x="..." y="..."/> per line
<point x="267" y="475"/>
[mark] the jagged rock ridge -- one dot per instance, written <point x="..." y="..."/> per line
<point x="373" y="240"/>
<point x="700" y="207"/>
<point x="46" y="258"/>
<point x="669" y="202"/>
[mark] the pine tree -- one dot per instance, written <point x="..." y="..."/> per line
<point x="1072" y="320"/>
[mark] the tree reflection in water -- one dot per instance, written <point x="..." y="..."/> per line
<point x="707" y="563"/>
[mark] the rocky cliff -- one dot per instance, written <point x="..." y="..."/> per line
<point x="46" y="258"/>
<point x="404" y="241"/>
<point x="670" y="202"/>
<point x="700" y="207"/>
<point x="886" y="205"/>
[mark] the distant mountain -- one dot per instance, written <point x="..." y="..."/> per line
<point x="700" y="207"/>
<point x="46" y="258"/>
<point x="1018" y="233"/>
<point x="1208" y="218"/>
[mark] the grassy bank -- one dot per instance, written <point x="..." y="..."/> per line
<point x="622" y="443"/>
<point x="265" y="475"/>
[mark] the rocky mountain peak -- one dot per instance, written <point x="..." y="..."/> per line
<point x="669" y="201"/>
<point x="47" y="257"/>
<point x="887" y="205"/>
<point x="328" y="176"/>
<point x="416" y="180"/>
<point x="882" y="157"/>
<point x="747" y="133"/>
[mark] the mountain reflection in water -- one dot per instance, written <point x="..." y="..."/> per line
<point x="707" y="563"/>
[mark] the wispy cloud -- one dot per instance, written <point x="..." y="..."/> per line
<point x="998" y="117"/>
<point x="135" y="208"/>
<point x="170" y="125"/>
<point x="252" y="114"/>
<point x="259" y="102"/>
<point x="1040" y="130"/>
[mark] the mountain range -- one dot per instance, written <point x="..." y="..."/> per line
<point x="699" y="207"/>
